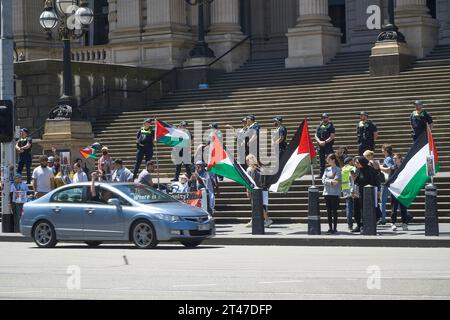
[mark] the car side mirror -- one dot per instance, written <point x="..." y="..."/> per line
<point x="114" y="202"/>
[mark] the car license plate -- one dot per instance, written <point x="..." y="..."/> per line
<point x="204" y="227"/>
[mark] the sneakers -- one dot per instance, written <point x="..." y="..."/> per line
<point x="174" y="180"/>
<point x="249" y="224"/>
<point x="330" y="231"/>
<point x="268" y="223"/>
<point x="405" y="227"/>
<point x="357" y="229"/>
<point x="394" y="227"/>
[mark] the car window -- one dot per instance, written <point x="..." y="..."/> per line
<point x="103" y="195"/>
<point x="72" y="195"/>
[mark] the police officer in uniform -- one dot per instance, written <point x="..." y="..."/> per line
<point x="144" y="144"/>
<point x="23" y="147"/>
<point x="419" y="120"/>
<point x="367" y="133"/>
<point x="279" y="135"/>
<point x="325" y="136"/>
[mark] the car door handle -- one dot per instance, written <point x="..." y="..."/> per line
<point x="89" y="210"/>
<point x="57" y="210"/>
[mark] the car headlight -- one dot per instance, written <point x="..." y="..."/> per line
<point x="169" y="217"/>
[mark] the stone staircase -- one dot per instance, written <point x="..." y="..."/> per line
<point x="265" y="88"/>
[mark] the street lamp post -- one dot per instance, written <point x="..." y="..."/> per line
<point x="201" y="49"/>
<point x="73" y="18"/>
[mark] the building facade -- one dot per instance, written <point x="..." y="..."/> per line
<point x="160" y="33"/>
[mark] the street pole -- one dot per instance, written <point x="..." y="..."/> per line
<point x="6" y="93"/>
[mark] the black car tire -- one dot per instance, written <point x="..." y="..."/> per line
<point x="44" y="234"/>
<point x="191" y="243"/>
<point x="143" y="234"/>
<point x="93" y="244"/>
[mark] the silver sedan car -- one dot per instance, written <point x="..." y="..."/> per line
<point x="117" y="211"/>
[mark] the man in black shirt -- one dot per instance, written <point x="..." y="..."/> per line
<point x="279" y="135"/>
<point x="23" y="147"/>
<point x="419" y="120"/>
<point x="144" y="144"/>
<point x="367" y="133"/>
<point x="252" y="136"/>
<point x="325" y="135"/>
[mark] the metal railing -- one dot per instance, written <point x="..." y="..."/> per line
<point x="159" y="83"/>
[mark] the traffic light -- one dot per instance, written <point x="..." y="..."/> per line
<point x="6" y="121"/>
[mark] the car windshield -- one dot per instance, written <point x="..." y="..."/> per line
<point x="143" y="194"/>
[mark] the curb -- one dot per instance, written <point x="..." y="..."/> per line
<point x="370" y="241"/>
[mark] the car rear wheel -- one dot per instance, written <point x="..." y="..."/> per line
<point x="93" y="244"/>
<point x="44" y="234"/>
<point x="191" y="243"/>
<point x="143" y="235"/>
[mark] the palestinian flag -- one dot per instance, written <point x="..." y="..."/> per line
<point x="412" y="175"/>
<point x="169" y="135"/>
<point x="88" y="153"/>
<point x="295" y="162"/>
<point x="222" y="164"/>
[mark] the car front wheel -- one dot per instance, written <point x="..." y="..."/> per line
<point x="44" y="235"/>
<point x="191" y="243"/>
<point x="143" y="235"/>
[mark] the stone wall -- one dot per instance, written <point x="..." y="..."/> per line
<point x="39" y="85"/>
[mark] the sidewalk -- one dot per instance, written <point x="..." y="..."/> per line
<point x="297" y="235"/>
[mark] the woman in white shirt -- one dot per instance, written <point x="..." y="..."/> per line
<point x="79" y="175"/>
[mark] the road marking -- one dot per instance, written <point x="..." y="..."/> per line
<point x="194" y="285"/>
<point x="290" y="281"/>
<point x="14" y="292"/>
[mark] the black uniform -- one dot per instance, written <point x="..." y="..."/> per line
<point x="180" y="151"/>
<point x="252" y="131"/>
<point x="144" y="144"/>
<point x="280" y="132"/>
<point x="25" y="157"/>
<point x="324" y="131"/>
<point x="366" y="136"/>
<point x="419" y="123"/>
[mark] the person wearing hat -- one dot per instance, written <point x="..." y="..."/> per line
<point x="144" y="144"/>
<point x="51" y="164"/>
<point x="240" y="139"/>
<point x="105" y="164"/>
<point x="179" y="151"/>
<point x="204" y="179"/>
<point x="279" y="135"/>
<point x="367" y="133"/>
<point x="19" y="191"/>
<point x="348" y="170"/>
<point x="23" y="147"/>
<point x="325" y="136"/>
<point x="120" y="173"/>
<point x="419" y="119"/>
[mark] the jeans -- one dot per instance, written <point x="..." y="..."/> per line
<point x="141" y="152"/>
<point x="349" y="210"/>
<point x="332" y="203"/>
<point x="403" y="211"/>
<point x="16" y="210"/>
<point x="357" y="207"/>
<point x="25" y="159"/>
<point x="385" y="193"/>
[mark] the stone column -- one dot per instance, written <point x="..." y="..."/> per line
<point x="443" y="15"/>
<point x="360" y="37"/>
<point x="127" y="25"/>
<point x="225" y="32"/>
<point x="314" y="41"/>
<point x="166" y="38"/>
<point x="420" y="29"/>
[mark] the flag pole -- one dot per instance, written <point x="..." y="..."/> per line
<point x="156" y="153"/>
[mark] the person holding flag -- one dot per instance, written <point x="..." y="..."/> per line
<point x="296" y="161"/>
<point x="412" y="175"/>
<point x="419" y="120"/>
